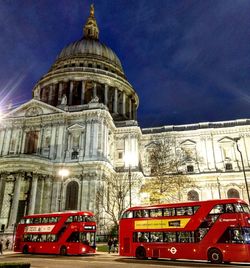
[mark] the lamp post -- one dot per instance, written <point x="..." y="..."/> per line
<point x="243" y="167"/>
<point x="63" y="173"/>
<point x="129" y="160"/>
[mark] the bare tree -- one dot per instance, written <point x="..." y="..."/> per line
<point x="112" y="197"/>
<point x="167" y="179"/>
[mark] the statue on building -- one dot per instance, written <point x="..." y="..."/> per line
<point x="94" y="100"/>
<point x="64" y="100"/>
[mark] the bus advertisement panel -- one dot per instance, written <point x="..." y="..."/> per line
<point x="214" y="230"/>
<point x="71" y="232"/>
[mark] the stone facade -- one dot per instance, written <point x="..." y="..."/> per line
<point x="83" y="118"/>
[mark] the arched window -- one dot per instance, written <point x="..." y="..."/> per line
<point x="233" y="193"/>
<point x="72" y="196"/>
<point x="193" y="195"/>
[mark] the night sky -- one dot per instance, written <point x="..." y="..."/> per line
<point x="189" y="61"/>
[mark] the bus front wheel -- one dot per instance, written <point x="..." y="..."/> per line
<point x="140" y="253"/>
<point x="215" y="256"/>
<point x="63" y="251"/>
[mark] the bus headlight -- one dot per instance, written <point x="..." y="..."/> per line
<point x="83" y="249"/>
<point x="248" y="220"/>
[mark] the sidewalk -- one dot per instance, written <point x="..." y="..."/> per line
<point x="8" y="251"/>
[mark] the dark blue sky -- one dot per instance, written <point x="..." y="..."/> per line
<point x="189" y="61"/>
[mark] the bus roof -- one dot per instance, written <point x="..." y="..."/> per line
<point x="189" y="203"/>
<point x="54" y="214"/>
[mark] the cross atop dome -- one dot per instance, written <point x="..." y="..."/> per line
<point x="91" y="30"/>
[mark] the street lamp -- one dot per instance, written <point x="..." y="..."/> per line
<point x="129" y="160"/>
<point x="243" y="167"/>
<point x="63" y="173"/>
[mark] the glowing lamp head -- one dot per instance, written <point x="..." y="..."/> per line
<point x="130" y="159"/>
<point x="63" y="172"/>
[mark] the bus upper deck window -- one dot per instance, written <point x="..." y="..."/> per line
<point x="70" y="219"/>
<point x="217" y="209"/>
<point x="169" y="212"/>
<point x="156" y="212"/>
<point x="144" y="213"/>
<point x="127" y="214"/>
<point x="245" y="208"/>
<point x="229" y="208"/>
<point x="238" y="208"/>
<point x="29" y="221"/>
<point x="22" y="221"/>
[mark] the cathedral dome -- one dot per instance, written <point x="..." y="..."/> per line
<point x="87" y="71"/>
<point x="90" y="48"/>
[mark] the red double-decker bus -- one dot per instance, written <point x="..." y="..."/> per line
<point x="214" y="230"/>
<point x="71" y="232"/>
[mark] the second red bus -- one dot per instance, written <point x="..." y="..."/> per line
<point x="71" y="232"/>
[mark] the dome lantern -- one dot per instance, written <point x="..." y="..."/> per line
<point x="90" y="29"/>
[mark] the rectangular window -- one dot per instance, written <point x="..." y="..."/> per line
<point x="190" y="169"/>
<point x="228" y="166"/>
<point x="120" y="155"/>
<point x="169" y="237"/>
<point x="141" y="237"/>
<point x="169" y="212"/>
<point x="127" y="214"/>
<point x="217" y="209"/>
<point x="156" y="212"/>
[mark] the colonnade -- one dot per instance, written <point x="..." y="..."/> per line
<point x="82" y="92"/>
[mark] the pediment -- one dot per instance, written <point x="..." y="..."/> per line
<point x="188" y="142"/>
<point x="76" y="127"/>
<point x="225" y="140"/>
<point x="33" y="108"/>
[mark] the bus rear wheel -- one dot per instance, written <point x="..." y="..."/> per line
<point x="25" y="249"/>
<point x="215" y="256"/>
<point x="63" y="251"/>
<point x="140" y="253"/>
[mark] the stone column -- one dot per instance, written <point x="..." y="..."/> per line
<point x="88" y="139"/>
<point x="130" y="108"/>
<point x="100" y="148"/>
<point x="83" y="92"/>
<point x="105" y="142"/>
<point x="51" y="93"/>
<point x="10" y="139"/>
<point x="15" y="202"/>
<point x="44" y="94"/>
<point x="20" y="143"/>
<point x="123" y="103"/>
<point x="60" y="142"/>
<point x="2" y="188"/>
<point x="81" y="153"/>
<point x="115" y="101"/>
<point x="47" y="195"/>
<point x="71" y="92"/>
<point x="95" y="132"/>
<point x="54" y="195"/>
<point x="40" y="141"/>
<point x="39" y="203"/>
<point x="106" y="89"/>
<point x="53" y="141"/>
<point x="94" y="91"/>
<point x="60" y="91"/>
<point x="37" y="93"/>
<point x="3" y="141"/>
<point x="33" y="193"/>
<point x="85" y="193"/>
